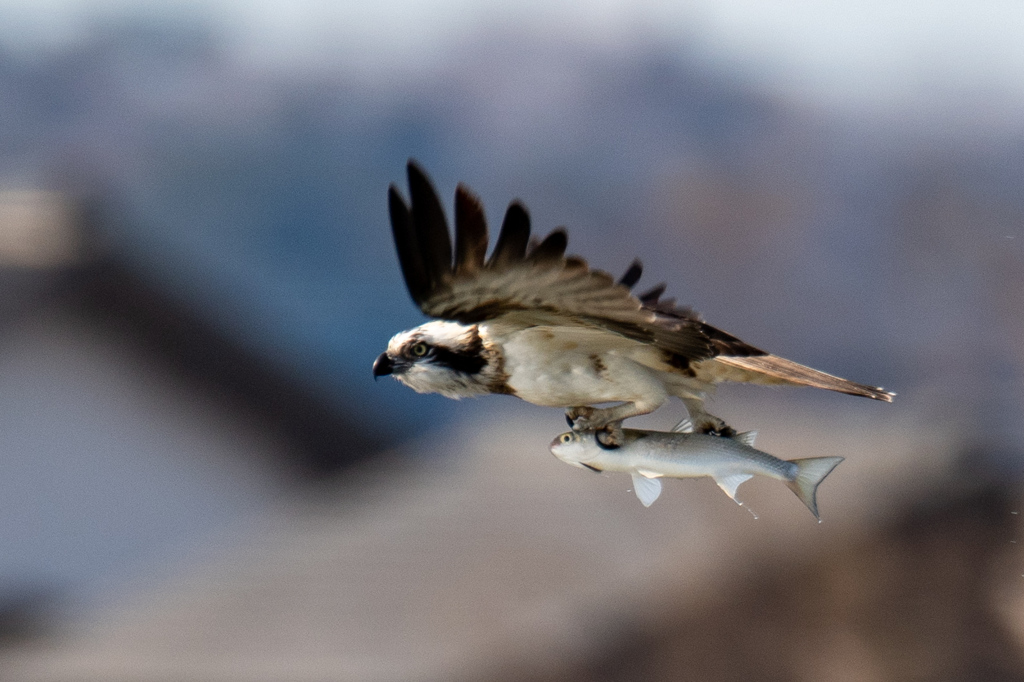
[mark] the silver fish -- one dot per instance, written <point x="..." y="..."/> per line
<point x="651" y="455"/>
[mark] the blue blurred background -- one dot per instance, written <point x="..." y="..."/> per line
<point x="199" y="272"/>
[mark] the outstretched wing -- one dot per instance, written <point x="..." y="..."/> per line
<point x="721" y="343"/>
<point x="736" y="360"/>
<point x="531" y="282"/>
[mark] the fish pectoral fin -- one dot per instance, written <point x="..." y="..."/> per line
<point x="747" y="437"/>
<point x="729" y="483"/>
<point x="647" y="489"/>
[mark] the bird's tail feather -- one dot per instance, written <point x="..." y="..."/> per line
<point x="780" y="370"/>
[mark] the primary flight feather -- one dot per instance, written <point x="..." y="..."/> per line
<point x="532" y="322"/>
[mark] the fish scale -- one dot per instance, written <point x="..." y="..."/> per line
<point x="694" y="454"/>
<point x="649" y="456"/>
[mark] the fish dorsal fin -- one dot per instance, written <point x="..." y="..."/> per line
<point x="729" y="484"/>
<point x="646" y="489"/>
<point x="747" y="438"/>
<point x="684" y="426"/>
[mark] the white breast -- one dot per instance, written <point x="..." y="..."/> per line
<point x="569" y="366"/>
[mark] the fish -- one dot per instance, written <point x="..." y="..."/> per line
<point x="649" y="456"/>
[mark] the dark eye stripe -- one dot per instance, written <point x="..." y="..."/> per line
<point x="470" y="362"/>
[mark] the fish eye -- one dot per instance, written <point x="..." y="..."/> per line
<point x="419" y="349"/>
<point x="566" y="438"/>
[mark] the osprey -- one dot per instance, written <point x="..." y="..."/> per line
<point x="532" y="322"/>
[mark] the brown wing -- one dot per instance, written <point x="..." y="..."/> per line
<point x="736" y="360"/>
<point x="532" y="283"/>
<point x="721" y="343"/>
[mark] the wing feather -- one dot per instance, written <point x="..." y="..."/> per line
<point x="410" y="258"/>
<point x="430" y="226"/>
<point x="632" y="274"/>
<point x="651" y="296"/>
<point x="512" y="239"/>
<point x="551" y="250"/>
<point x="721" y="343"/>
<point x="727" y="344"/>
<point x="470" y="232"/>
<point x="521" y="283"/>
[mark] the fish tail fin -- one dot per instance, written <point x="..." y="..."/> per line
<point x="810" y="473"/>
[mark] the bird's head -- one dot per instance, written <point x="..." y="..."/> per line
<point x="440" y="357"/>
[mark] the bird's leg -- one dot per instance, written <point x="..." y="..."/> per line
<point x="585" y="418"/>
<point x="579" y="415"/>
<point x="574" y="413"/>
<point x="705" y="422"/>
<point x="608" y="420"/>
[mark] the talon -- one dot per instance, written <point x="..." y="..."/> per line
<point x="580" y="418"/>
<point x="609" y="438"/>
<point x="722" y="431"/>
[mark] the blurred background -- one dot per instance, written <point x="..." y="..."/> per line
<point x="199" y="479"/>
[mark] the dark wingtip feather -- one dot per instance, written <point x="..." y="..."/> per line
<point x="632" y="274"/>
<point x="513" y="238"/>
<point x="470" y="231"/>
<point x="417" y="279"/>
<point x="551" y="249"/>
<point x="651" y="296"/>
<point x="430" y="225"/>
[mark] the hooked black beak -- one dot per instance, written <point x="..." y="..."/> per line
<point x="382" y="366"/>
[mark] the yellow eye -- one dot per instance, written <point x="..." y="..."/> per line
<point x="420" y="349"/>
<point x="566" y="438"/>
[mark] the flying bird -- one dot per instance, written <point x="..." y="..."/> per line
<point x="532" y="322"/>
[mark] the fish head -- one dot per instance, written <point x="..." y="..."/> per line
<point x="573" y="448"/>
